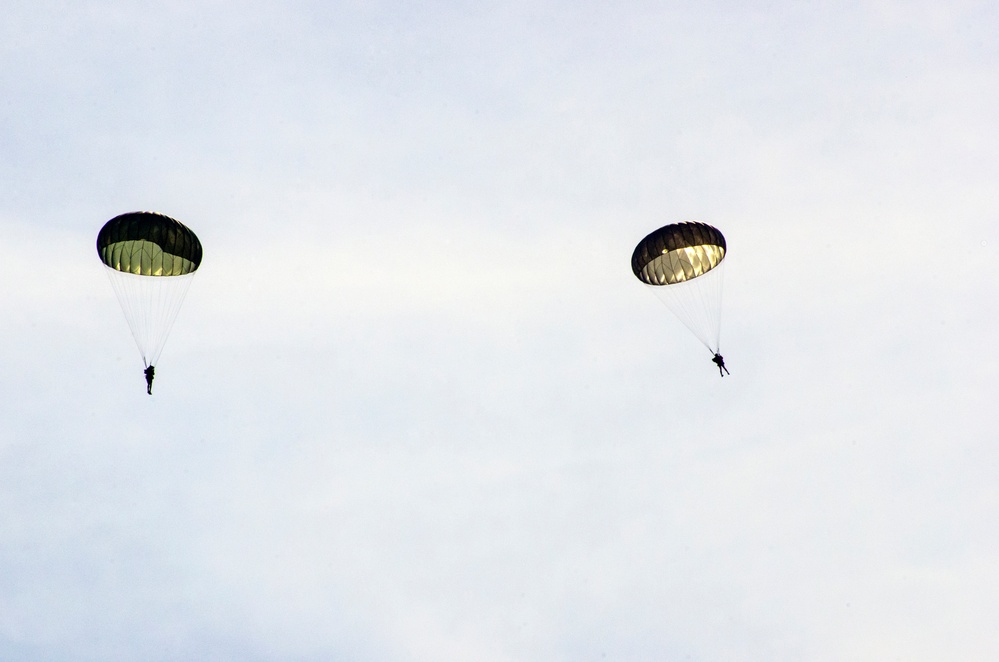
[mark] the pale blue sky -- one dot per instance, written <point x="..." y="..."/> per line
<point x="416" y="406"/>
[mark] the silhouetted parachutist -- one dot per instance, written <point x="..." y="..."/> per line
<point x="720" y="362"/>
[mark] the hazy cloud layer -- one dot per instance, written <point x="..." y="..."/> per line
<point x="416" y="407"/>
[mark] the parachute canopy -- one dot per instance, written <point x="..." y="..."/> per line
<point x="150" y="259"/>
<point x="149" y="244"/>
<point x="683" y="265"/>
<point x="678" y="252"/>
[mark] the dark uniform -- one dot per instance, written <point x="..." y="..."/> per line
<point x="720" y="362"/>
<point x="149" y="373"/>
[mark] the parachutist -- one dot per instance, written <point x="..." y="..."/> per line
<point x="720" y="362"/>
<point x="150" y="259"/>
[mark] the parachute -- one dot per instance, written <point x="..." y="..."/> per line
<point x="683" y="263"/>
<point x="150" y="259"/>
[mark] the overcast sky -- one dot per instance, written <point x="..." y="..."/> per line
<point x="417" y="407"/>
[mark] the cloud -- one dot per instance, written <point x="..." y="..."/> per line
<point x="416" y="406"/>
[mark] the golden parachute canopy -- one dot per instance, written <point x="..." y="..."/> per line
<point x="678" y="252"/>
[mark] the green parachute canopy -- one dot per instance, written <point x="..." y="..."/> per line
<point x="149" y="244"/>
<point x="682" y="263"/>
<point x="150" y="259"/>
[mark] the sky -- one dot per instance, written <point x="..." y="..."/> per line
<point x="417" y="407"/>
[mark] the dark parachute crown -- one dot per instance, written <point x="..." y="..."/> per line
<point x="678" y="252"/>
<point x="149" y="244"/>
